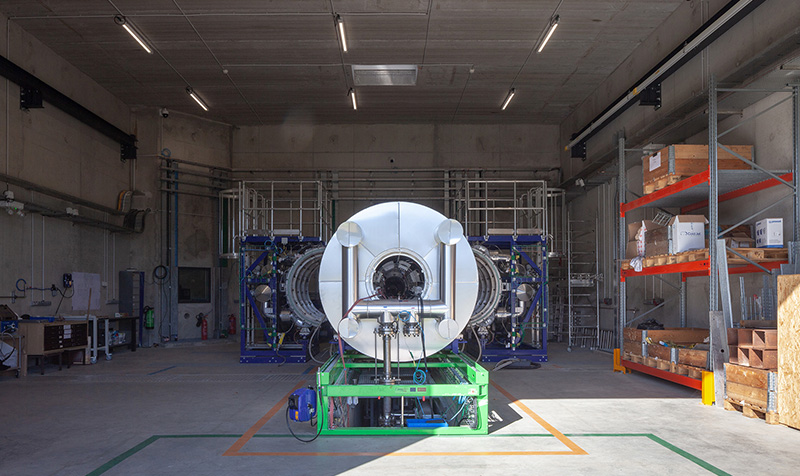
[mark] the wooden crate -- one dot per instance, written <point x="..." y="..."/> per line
<point x="757" y="348"/>
<point x="683" y="160"/>
<point x="748" y="391"/>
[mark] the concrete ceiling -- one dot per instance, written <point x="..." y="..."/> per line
<point x="284" y="62"/>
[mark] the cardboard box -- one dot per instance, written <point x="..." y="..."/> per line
<point x="687" y="233"/>
<point x="631" y="250"/>
<point x="690" y="159"/>
<point x="656" y="238"/>
<point x="769" y="233"/>
<point x="740" y="241"/>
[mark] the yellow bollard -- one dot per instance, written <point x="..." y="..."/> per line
<point x="707" y="386"/>
<point x="618" y="363"/>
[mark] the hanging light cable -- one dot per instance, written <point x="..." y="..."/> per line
<point x="511" y="93"/>
<point x="352" y="94"/>
<point x="197" y="99"/>
<point x="340" y="29"/>
<point x="550" y="30"/>
<point x="123" y="22"/>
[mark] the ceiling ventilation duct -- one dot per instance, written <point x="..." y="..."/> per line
<point x="385" y="75"/>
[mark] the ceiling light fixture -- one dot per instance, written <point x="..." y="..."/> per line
<point x="550" y="30"/>
<point x="197" y="99"/>
<point x="511" y="93"/>
<point x="123" y="22"/>
<point x="340" y="28"/>
<point x="352" y="94"/>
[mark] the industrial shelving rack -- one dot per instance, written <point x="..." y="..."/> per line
<point x="708" y="189"/>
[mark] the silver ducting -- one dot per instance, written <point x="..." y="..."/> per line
<point x="302" y="289"/>
<point x="489" y="289"/>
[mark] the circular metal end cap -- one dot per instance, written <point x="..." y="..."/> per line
<point x="525" y="292"/>
<point x="448" y="329"/>
<point x="349" y="327"/>
<point x="262" y="293"/>
<point x="349" y="234"/>
<point x="449" y="232"/>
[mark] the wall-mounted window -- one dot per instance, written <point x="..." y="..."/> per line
<point x="194" y="285"/>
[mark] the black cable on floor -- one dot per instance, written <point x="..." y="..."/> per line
<point x="288" y="425"/>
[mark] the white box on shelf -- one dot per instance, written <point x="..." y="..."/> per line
<point x="687" y="233"/>
<point x="769" y="233"/>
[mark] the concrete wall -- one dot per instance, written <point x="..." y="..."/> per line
<point x="51" y="149"/>
<point x="394" y="147"/>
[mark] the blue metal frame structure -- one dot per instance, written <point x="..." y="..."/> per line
<point x="495" y="352"/>
<point x="273" y="351"/>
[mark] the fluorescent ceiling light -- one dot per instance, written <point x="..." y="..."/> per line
<point x="197" y="99"/>
<point x="352" y="94"/>
<point x="340" y="27"/>
<point x="511" y="93"/>
<point x="550" y="30"/>
<point x="123" y="22"/>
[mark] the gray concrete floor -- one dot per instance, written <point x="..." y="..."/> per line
<point x="178" y="410"/>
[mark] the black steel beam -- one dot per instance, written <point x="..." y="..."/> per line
<point x="25" y="79"/>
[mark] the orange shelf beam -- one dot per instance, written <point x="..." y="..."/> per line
<point x="684" y="184"/>
<point x="756" y="187"/>
<point x="663" y="374"/>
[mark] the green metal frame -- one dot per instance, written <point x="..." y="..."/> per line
<point x="330" y="384"/>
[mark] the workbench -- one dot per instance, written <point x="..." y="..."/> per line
<point x="43" y="339"/>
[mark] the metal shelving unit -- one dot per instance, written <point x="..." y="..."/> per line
<point x="708" y="189"/>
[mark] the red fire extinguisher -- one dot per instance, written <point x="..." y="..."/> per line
<point x="204" y="328"/>
<point x="231" y="324"/>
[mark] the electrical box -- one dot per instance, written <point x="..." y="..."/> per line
<point x="67" y="280"/>
<point x="303" y="404"/>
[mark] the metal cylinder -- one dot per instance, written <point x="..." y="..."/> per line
<point x="442" y="291"/>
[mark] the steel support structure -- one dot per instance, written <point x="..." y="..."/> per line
<point x="622" y="236"/>
<point x="457" y="386"/>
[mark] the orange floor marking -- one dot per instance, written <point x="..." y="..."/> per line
<point x="550" y="428"/>
<point x="234" y="449"/>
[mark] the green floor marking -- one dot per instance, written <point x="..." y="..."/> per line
<point x="119" y="459"/>
<point x="685" y="454"/>
<point x="688" y="456"/>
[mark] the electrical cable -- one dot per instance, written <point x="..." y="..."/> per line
<point x="480" y="347"/>
<point x="62" y="299"/>
<point x="339" y="335"/>
<point x="310" y="346"/>
<point x="289" y="426"/>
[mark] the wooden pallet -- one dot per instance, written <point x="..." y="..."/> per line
<point x="662" y="182"/>
<point x="758" y="254"/>
<point x="755" y="254"/>
<point x="680" y="369"/>
<point x="683" y="257"/>
<point x="752" y="411"/>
